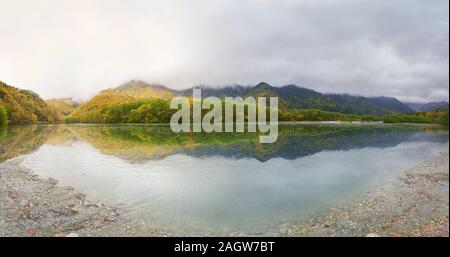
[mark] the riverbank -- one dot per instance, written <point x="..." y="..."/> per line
<point x="32" y="206"/>
<point x="414" y="204"/>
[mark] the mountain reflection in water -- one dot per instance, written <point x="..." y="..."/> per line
<point x="209" y="182"/>
<point x="138" y="143"/>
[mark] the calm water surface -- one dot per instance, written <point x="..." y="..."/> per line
<point x="223" y="181"/>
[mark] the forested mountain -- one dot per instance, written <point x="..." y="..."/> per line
<point x="94" y="110"/>
<point x="102" y="108"/>
<point x="368" y="105"/>
<point x="138" y="89"/>
<point x="391" y="103"/>
<point x="139" y="102"/>
<point x="295" y="97"/>
<point x="428" y="107"/>
<point x="62" y="106"/>
<point x="24" y="106"/>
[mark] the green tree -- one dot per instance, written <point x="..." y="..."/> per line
<point x="443" y="118"/>
<point x="153" y="111"/>
<point x="3" y="116"/>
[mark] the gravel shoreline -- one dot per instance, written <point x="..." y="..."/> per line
<point x="32" y="206"/>
<point x="415" y="204"/>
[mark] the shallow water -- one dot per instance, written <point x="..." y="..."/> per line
<point x="214" y="183"/>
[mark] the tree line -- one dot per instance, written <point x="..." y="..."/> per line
<point x="3" y="116"/>
<point x="158" y="111"/>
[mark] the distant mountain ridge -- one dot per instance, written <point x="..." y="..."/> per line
<point x="24" y="106"/>
<point x="290" y="97"/>
<point x="295" y="97"/>
<point x="139" y="89"/>
<point x="62" y="106"/>
<point x="428" y="107"/>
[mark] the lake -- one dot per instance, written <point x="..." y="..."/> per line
<point x="213" y="183"/>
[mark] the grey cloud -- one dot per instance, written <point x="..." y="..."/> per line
<point x="63" y="48"/>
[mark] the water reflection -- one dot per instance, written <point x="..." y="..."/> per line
<point x="214" y="181"/>
<point x="21" y="140"/>
<point x="136" y="143"/>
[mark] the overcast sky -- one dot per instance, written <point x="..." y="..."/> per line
<point x="75" y="48"/>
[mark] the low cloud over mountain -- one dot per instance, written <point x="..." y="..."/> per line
<point x="77" y="48"/>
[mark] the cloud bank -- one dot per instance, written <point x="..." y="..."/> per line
<point x="74" y="48"/>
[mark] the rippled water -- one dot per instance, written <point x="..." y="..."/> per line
<point x="214" y="182"/>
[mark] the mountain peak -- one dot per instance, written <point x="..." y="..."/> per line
<point x="141" y="90"/>
<point x="291" y="86"/>
<point x="137" y="84"/>
<point x="263" y="85"/>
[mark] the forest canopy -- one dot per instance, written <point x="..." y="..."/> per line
<point x="3" y="116"/>
<point x="24" y="106"/>
<point x="122" y="105"/>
